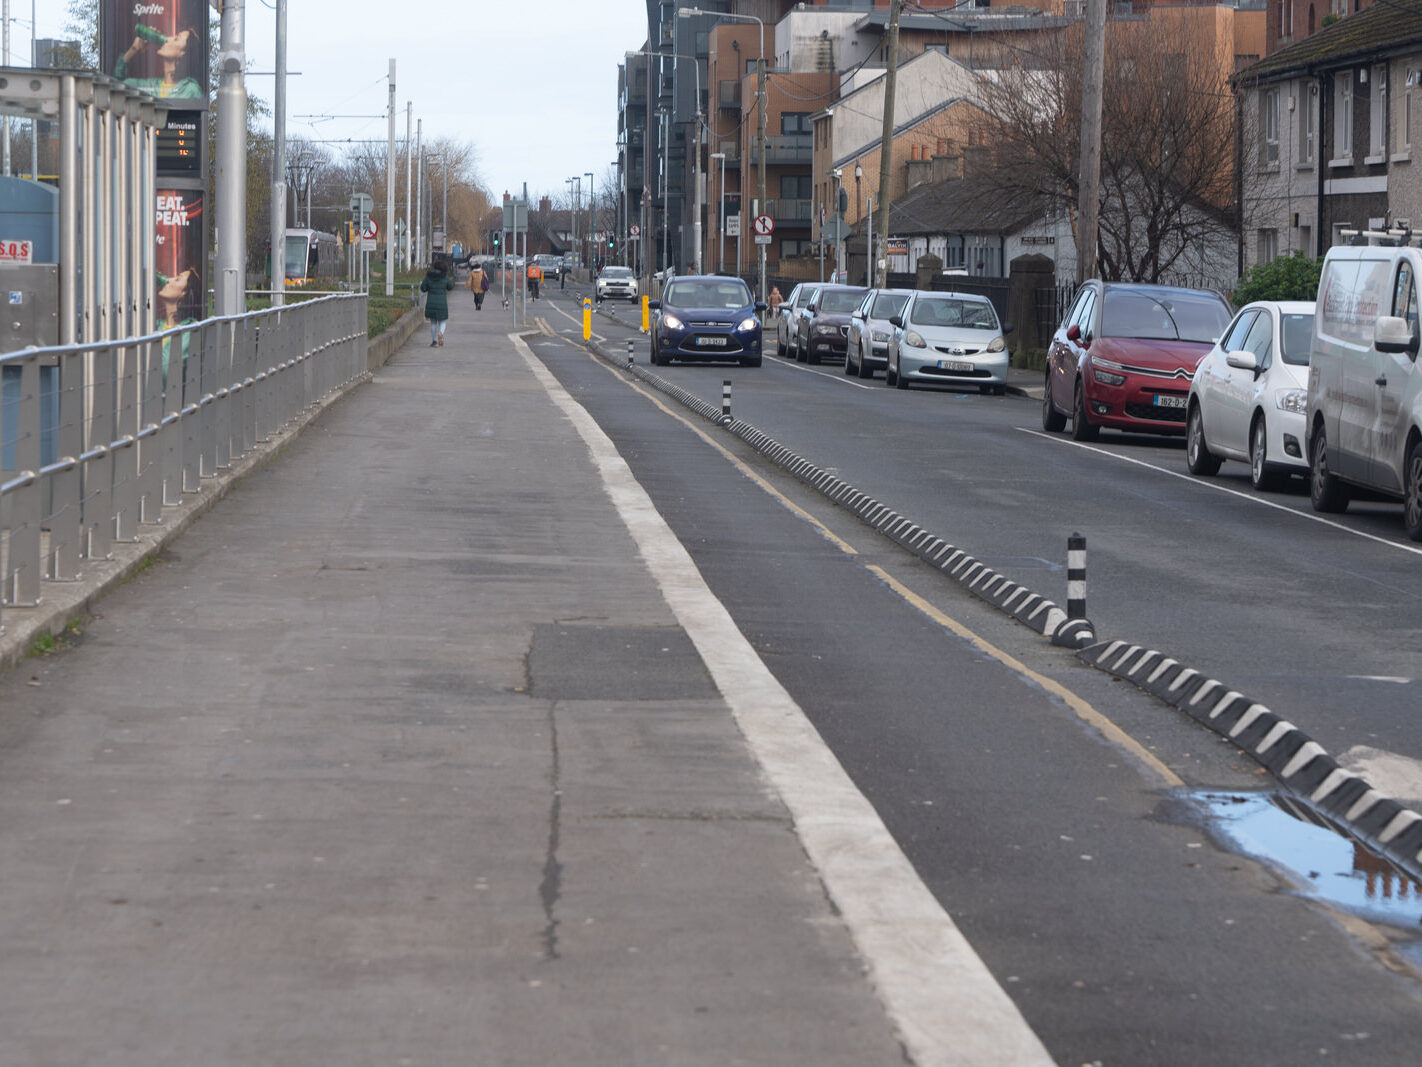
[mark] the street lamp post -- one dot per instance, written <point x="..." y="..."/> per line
<point x="591" y="192"/>
<point x="577" y="185"/>
<point x="760" y="117"/>
<point x="838" y="224"/>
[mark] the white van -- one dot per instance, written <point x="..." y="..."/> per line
<point x="1364" y="382"/>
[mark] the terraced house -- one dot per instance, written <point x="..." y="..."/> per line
<point x="1327" y="131"/>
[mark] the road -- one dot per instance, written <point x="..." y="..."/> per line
<point x="1060" y="815"/>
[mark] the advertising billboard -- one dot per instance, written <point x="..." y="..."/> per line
<point x="160" y="46"/>
<point x="180" y="294"/>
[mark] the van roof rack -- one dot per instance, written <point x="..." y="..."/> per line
<point x="1391" y="238"/>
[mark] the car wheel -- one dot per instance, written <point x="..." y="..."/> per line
<point x="890" y="375"/>
<point x="850" y="370"/>
<point x="1053" y="421"/>
<point x="865" y="371"/>
<point x="1412" y="492"/>
<point x="1082" y="428"/>
<point x="900" y="382"/>
<point x="656" y="355"/>
<point x="1263" y="475"/>
<point x="1325" y="491"/>
<point x="1198" y="457"/>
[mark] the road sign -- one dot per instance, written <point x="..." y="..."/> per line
<point x="762" y="238"/>
<point x="370" y="230"/>
<point x="733" y="225"/>
<point x="634" y="231"/>
<point x="362" y="204"/>
<point x="764" y="225"/>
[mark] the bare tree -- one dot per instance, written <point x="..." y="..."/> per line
<point x="1168" y="129"/>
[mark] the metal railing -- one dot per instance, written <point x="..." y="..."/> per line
<point x="97" y="438"/>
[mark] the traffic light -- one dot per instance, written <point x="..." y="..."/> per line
<point x="609" y="241"/>
<point x="497" y="238"/>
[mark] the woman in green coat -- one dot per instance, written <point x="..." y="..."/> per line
<point x="437" y="283"/>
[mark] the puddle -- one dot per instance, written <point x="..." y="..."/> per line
<point x="1324" y="864"/>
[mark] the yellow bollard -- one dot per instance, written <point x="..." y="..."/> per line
<point x="646" y="314"/>
<point x="587" y="318"/>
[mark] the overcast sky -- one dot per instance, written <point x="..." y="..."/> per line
<point x="532" y="85"/>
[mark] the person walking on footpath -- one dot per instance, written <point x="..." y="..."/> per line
<point x="535" y="275"/>
<point x="437" y="283"/>
<point x="478" y="285"/>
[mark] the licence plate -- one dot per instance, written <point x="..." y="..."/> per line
<point x="954" y="365"/>
<point x="711" y="342"/>
<point x="1169" y="401"/>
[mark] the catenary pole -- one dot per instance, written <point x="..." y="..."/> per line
<point x="886" y="142"/>
<point x="390" y="188"/>
<point x="277" y="232"/>
<point x="231" y="230"/>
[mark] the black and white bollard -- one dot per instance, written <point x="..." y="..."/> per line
<point x="1076" y="576"/>
<point x="726" y="400"/>
<point x="629" y="351"/>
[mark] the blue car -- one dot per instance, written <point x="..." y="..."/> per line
<point x="706" y="317"/>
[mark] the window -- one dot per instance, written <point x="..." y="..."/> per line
<point x="1269" y="128"/>
<point x="1402" y="115"/>
<point x="1234" y="339"/>
<point x="1268" y="245"/>
<point x="796" y="187"/>
<point x="1343" y="116"/>
<point x="794" y="248"/>
<point x="1377" y="112"/>
<point x="1404" y="296"/>
<point x="795" y="122"/>
<point x="1261" y="340"/>
<point x="1308" y="124"/>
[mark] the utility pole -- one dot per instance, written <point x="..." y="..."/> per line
<point x="409" y="189"/>
<point x="277" y="231"/>
<point x="390" y="236"/>
<point x="760" y="140"/>
<point x="417" y="248"/>
<point x="1088" y="208"/>
<point x="231" y="229"/>
<point x="886" y="143"/>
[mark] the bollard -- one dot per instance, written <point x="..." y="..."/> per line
<point x="1076" y="576"/>
<point x="726" y="399"/>
<point x="587" y="319"/>
<point x="629" y="351"/>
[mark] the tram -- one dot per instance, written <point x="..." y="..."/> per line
<point x="314" y="259"/>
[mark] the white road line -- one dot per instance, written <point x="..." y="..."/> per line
<point x="1415" y="550"/>
<point x="949" y="1009"/>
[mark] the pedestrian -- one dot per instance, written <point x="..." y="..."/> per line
<point x="774" y="300"/>
<point x="437" y="283"/>
<point x="478" y="285"/>
<point x="535" y="275"/>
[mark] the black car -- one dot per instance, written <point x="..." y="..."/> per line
<point x="824" y="328"/>
<point x="706" y="317"/>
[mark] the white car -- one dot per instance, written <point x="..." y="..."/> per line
<point x="869" y="330"/>
<point x="946" y="338"/>
<point x="616" y="283"/>
<point x="1249" y="396"/>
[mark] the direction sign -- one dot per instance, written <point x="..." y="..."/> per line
<point x="764" y="225"/>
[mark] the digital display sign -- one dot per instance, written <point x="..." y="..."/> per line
<point x="180" y="145"/>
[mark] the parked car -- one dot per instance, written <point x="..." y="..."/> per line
<point x="948" y="339"/>
<point x="1248" y="398"/>
<point x="796" y="306"/>
<point x="823" y="329"/>
<point x="1364" y="382"/>
<point x="706" y="317"/>
<point x="616" y="283"/>
<point x="869" y="330"/>
<point x="1124" y="355"/>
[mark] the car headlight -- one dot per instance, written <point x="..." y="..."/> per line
<point x="747" y="325"/>
<point x="914" y="339"/>
<point x="671" y="322"/>
<point x="825" y="329"/>
<point x="997" y="344"/>
<point x="1108" y="373"/>
<point x="881" y="335"/>
<point x="1292" y="400"/>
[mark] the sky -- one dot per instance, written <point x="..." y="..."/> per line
<point x="531" y="85"/>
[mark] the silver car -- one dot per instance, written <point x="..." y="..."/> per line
<point x="948" y="339"/>
<point x="870" y="329"/>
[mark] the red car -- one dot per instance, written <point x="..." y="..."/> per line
<point x="1124" y="355"/>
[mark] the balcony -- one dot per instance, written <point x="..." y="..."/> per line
<point x="728" y="95"/>
<point x="788" y="211"/>
<point x="784" y="150"/>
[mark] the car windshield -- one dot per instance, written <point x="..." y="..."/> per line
<point x="840" y="301"/>
<point x="1295" y="336"/>
<point x="616" y="272"/>
<point x="887" y="305"/>
<point x="1164" y="316"/>
<point x="707" y="293"/>
<point x="953" y="311"/>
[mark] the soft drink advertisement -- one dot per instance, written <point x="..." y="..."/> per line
<point x="160" y="46"/>
<point x="179" y="257"/>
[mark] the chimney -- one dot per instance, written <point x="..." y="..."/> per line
<point x="545" y="205"/>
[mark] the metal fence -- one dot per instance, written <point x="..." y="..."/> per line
<point x="98" y="438"/>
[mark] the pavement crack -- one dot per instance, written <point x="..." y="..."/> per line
<point x="551" y="887"/>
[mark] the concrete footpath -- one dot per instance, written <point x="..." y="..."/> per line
<point x="406" y="753"/>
